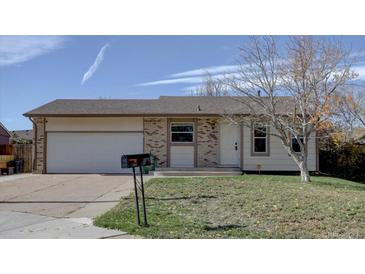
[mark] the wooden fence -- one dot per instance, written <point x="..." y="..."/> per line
<point x="6" y="150"/>
<point x="24" y="151"/>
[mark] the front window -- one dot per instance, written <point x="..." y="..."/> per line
<point x="295" y="144"/>
<point x="260" y="140"/>
<point x="182" y="132"/>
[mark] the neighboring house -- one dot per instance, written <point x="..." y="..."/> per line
<point x="4" y="135"/>
<point x="22" y="136"/>
<point x="359" y="136"/>
<point x="89" y="136"/>
<point x="361" y="141"/>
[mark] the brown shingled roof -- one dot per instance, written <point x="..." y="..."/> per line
<point x="165" y="105"/>
<point x="26" y="134"/>
<point x="4" y="131"/>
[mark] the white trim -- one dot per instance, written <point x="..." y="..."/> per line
<point x="266" y="140"/>
<point x="184" y="123"/>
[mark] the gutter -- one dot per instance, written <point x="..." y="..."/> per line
<point x="135" y="115"/>
<point x="34" y="143"/>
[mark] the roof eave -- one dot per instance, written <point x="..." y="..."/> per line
<point x="6" y="130"/>
<point x="123" y="115"/>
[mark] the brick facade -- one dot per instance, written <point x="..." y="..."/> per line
<point x="208" y="142"/>
<point x="155" y="141"/>
<point x="155" y="138"/>
<point x="39" y="146"/>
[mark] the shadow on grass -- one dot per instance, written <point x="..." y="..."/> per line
<point x="182" y="198"/>
<point x="223" y="227"/>
<point x="340" y="185"/>
<point x="175" y="198"/>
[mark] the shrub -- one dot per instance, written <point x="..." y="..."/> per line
<point x="345" y="160"/>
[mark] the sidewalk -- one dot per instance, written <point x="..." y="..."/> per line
<point x="17" y="225"/>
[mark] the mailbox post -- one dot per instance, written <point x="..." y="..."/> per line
<point x="133" y="161"/>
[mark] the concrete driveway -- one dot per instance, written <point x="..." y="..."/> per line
<point x="59" y="206"/>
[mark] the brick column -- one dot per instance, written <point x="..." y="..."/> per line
<point x="39" y="146"/>
<point x="208" y="142"/>
<point x="155" y="138"/>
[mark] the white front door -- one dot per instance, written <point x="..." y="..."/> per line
<point x="229" y="145"/>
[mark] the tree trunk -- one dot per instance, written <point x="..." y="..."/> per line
<point x="304" y="172"/>
<point x="304" y="176"/>
<point x="301" y="161"/>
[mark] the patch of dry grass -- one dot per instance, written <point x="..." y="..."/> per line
<point x="247" y="206"/>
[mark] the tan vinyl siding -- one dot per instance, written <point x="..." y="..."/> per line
<point x="278" y="159"/>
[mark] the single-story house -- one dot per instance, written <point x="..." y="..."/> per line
<point x="4" y="135"/>
<point x="89" y="136"/>
<point x="22" y="136"/>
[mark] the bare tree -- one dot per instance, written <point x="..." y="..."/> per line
<point x="210" y="87"/>
<point x="350" y="107"/>
<point x="307" y="70"/>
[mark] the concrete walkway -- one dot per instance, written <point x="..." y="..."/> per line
<point x="59" y="206"/>
<point x="16" y="225"/>
<point x="4" y="178"/>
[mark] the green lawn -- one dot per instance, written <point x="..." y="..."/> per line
<point x="249" y="206"/>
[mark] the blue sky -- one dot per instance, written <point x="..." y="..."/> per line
<point x="37" y="69"/>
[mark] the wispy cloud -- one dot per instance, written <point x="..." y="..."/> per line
<point x="19" y="49"/>
<point x="99" y="58"/>
<point x="360" y="69"/>
<point x="194" y="76"/>
<point x="189" y="80"/>
<point x="203" y="71"/>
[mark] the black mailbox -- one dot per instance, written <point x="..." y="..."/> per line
<point x="135" y="160"/>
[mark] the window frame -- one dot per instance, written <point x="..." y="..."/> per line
<point x="267" y="141"/>
<point x="182" y="123"/>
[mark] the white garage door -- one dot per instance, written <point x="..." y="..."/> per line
<point x="90" y="152"/>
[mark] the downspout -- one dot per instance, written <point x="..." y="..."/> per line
<point x="34" y="143"/>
